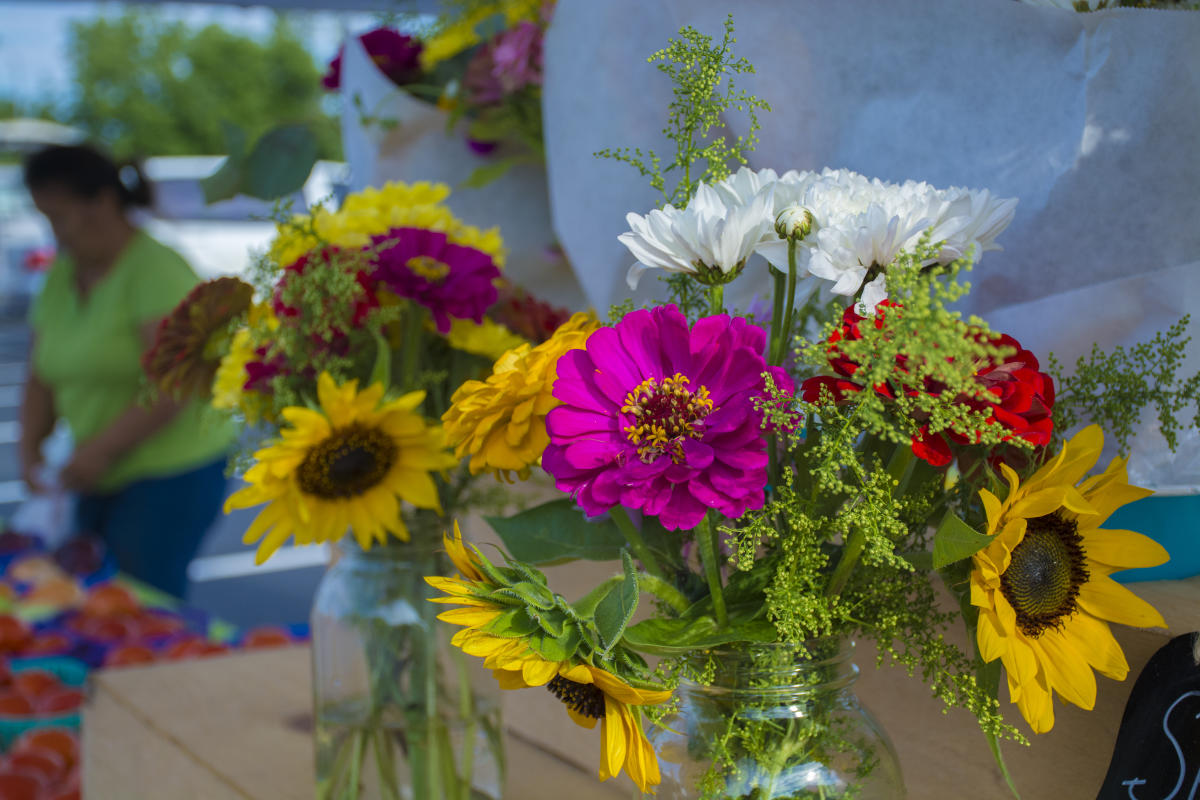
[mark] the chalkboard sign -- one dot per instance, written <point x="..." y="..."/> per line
<point x="1157" y="754"/>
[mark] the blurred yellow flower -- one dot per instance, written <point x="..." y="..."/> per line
<point x="375" y="211"/>
<point x="501" y="421"/>
<point x="489" y="339"/>
<point x="461" y="34"/>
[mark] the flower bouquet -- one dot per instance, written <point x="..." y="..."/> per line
<point x="782" y="481"/>
<point x="368" y="320"/>
<point x="479" y="61"/>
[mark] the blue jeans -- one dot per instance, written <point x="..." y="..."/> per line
<point x="154" y="527"/>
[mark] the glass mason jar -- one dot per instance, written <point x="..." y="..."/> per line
<point x="400" y="714"/>
<point x="767" y="724"/>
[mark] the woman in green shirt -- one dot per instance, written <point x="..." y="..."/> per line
<point x="150" y="477"/>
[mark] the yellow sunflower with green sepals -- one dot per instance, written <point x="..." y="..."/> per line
<point x="1042" y="585"/>
<point x="590" y="693"/>
<point x="500" y="422"/>
<point x="344" y="467"/>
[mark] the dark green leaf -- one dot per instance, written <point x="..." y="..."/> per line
<point x="280" y="162"/>
<point x="955" y="540"/>
<point x="557" y="532"/>
<point x="618" y="606"/>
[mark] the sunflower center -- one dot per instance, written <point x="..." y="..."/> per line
<point x="348" y="463"/>
<point x="665" y="413"/>
<point x="429" y="268"/>
<point x="583" y="698"/>
<point x="1044" y="574"/>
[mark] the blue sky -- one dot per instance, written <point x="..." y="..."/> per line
<point x="33" y="37"/>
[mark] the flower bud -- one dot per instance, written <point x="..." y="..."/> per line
<point x="794" y="222"/>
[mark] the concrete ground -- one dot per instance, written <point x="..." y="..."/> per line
<point x="225" y="581"/>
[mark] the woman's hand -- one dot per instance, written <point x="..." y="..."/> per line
<point x="31" y="472"/>
<point x="87" y="466"/>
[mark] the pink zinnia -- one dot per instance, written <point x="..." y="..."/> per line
<point x="451" y="280"/>
<point x="660" y="418"/>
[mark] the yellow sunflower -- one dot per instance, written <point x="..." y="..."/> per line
<point x="345" y="467"/>
<point x="501" y="422"/>
<point x="589" y="693"/>
<point x="1042" y="585"/>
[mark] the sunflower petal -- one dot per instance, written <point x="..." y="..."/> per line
<point x="1067" y="671"/>
<point x="1104" y="598"/>
<point x="1093" y="638"/>
<point x="1123" y="549"/>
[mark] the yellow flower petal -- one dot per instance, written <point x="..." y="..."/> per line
<point x="1123" y="549"/>
<point x="1104" y="598"/>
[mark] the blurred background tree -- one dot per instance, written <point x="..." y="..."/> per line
<point x="148" y="87"/>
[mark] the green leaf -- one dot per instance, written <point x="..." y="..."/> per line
<point x="381" y="373"/>
<point x="555" y="648"/>
<point x="556" y="532"/>
<point x="492" y="171"/>
<point x="662" y="636"/>
<point x="280" y="162"/>
<point x="511" y="624"/>
<point x="534" y="595"/>
<point x="618" y="606"/>
<point x="955" y="540"/>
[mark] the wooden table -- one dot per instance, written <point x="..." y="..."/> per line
<point x="238" y="727"/>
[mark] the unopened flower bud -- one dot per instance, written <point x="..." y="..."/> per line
<point x="794" y="222"/>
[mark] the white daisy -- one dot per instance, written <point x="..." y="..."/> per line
<point x="711" y="238"/>
<point x="860" y="224"/>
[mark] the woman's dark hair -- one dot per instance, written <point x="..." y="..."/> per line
<point x="86" y="171"/>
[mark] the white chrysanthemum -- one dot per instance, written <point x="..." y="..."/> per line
<point x="860" y="224"/>
<point x="711" y="238"/>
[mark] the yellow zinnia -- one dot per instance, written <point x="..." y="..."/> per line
<point x="589" y="693"/>
<point x="501" y="422"/>
<point x="345" y="467"/>
<point x="1042" y="585"/>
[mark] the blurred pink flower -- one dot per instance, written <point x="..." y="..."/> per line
<point x="508" y="63"/>
<point x="396" y="55"/>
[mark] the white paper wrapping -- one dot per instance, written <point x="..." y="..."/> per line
<point x="1092" y="120"/>
<point x="420" y="148"/>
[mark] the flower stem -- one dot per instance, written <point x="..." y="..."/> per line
<point x="716" y="299"/>
<point x="789" y="309"/>
<point x="620" y="516"/>
<point x="780" y="280"/>
<point x="851" y="550"/>
<point x="466" y="713"/>
<point x="410" y="347"/>
<point x="663" y="591"/>
<point x="707" y="541"/>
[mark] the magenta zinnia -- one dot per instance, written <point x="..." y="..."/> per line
<point x="451" y="280"/>
<point x="663" y="419"/>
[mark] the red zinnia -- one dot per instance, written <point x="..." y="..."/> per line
<point x="1022" y="396"/>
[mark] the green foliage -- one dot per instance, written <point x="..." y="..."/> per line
<point x="556" y="532"/>
<point x="703" y="85"/>
<point x="278" y="165"/>
<point x="955" y="540"/>
<point x="148" y="87"/>
<point x="1113" y="389"/>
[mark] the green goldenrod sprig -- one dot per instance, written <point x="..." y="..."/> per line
<point x="1114" y="388"/>
<point x="703" y="79"/>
